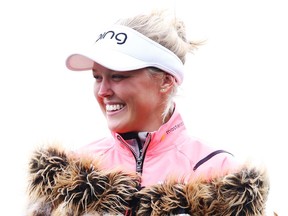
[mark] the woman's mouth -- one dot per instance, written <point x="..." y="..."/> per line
<point x="114" y="107"/>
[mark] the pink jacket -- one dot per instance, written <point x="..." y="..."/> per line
<point x="168" y="152"/>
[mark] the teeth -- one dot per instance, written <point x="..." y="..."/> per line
<point x="114" y="107"/>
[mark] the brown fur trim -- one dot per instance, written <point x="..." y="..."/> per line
<point x="162" y="199"/>
<point x="240" y="193"/>
<point x="44" y="168"/>
<point x="73" y="186"/>
<point x="63" y="184"/>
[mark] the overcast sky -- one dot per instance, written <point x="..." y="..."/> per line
<point x="234" y="94"/>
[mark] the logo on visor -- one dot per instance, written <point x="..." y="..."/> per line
<point x="111" y="35"/>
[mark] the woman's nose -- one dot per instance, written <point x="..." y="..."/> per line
<point x="104" y="89"/>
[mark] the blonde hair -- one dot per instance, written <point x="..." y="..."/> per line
<point x="170" y="33"/>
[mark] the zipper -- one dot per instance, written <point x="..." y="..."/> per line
<point x="142" y="152"/>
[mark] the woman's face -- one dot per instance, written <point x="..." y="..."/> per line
<point x="130" y="100"/>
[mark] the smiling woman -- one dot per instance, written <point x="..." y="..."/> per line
<point x="150" y="164"/>
<point x="233" y="94"/>
<point x="140" y="110"/>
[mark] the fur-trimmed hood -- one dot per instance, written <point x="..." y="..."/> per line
<point x="62" y="184"/>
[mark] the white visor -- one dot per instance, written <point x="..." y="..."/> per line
<point x="121" y="48"/>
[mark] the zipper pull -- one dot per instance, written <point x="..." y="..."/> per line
<point x="139" y="164"/>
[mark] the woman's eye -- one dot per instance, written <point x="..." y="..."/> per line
<point x="112" y="77"/>
<point x="97" y="78"/>
<point x="118" y="77"/>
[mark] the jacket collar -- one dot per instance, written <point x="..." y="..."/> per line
<point x="165" y="134"/>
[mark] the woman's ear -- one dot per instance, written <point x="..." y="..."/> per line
<point x="168" y="82"/>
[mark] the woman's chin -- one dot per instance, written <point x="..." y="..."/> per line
<point x="116" y="128"/>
